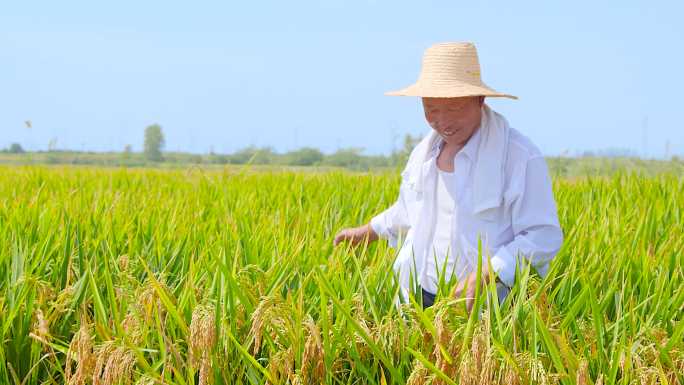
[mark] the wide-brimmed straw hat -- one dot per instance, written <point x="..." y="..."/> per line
<point x="450" y="70"/>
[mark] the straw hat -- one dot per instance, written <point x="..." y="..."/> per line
<point x="449" y="70"/>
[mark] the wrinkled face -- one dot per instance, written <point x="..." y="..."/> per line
<point x="455" y="119"/>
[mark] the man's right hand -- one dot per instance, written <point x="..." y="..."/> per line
<point x="356" y="235"/>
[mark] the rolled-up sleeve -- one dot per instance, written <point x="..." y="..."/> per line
<point x="392" y="223"/>
<point x="537" y="232"/>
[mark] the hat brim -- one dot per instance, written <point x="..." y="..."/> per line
<point x="450" y="91"/>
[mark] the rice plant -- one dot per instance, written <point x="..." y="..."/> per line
<point x="119" y="276"/>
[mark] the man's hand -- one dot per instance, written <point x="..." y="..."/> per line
<point x="355" y="235"/>
<point x="466" y="288"/>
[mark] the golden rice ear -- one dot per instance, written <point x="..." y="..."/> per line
<point x="419" y="375"/>
<point x="582" y="377"/>
<point x="259" y="320"/>
<point x="599" y="380"/>
<point x="123" y="261"/>
<point x="103" y="352"/>
<point x="81" y="351"/>
<point x="202" y="341"/>
<point x="467" y="373"/>
<point x="511" y="376"/>
<point x="313" y="368"/>
<point x="281" y="365"/>
<point x="536" y="372"/>
<point x="445" y="336"/>
<point x="119" y="366"/>
<point x="40" y="331"/>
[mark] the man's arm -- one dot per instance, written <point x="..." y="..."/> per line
<point x="388" y="225"/>
<point x="392" y="222"/>
<point x="538" y="235"/>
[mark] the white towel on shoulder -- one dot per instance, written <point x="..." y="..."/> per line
<point x="489" y="166"/>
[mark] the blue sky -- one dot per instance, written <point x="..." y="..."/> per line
<point x="225" y="75"/>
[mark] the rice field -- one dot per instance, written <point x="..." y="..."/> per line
<point x="119" y="276"/>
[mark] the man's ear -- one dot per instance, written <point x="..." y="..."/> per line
<point x="481" y="100"/>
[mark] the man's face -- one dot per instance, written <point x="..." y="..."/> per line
<point x="455" y="119"/>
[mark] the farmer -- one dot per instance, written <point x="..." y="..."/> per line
<point x="471" y="177"/>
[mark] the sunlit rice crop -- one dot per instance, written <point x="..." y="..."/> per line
<point x="115" y="276"/>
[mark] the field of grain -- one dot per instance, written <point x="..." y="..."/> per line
<point x="116" y="276"/>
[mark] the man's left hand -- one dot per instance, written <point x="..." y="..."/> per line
<point x="466" y="288"/>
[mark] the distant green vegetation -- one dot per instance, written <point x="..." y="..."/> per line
<point x="601" y="163"/>
<point x="350" y="158"/>
<point x="607" y="166"/>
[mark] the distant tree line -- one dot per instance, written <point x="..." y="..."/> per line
<point x="14" y="148"/>
<point x="352" y="158"/>
<point x="307" y="156"/>
<point x="601" y="162"/>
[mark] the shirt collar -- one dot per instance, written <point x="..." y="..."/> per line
<point x="469" y="150"/>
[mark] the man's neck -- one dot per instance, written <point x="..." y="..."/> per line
<point x="448" y="151"/>
<point x="451" y="149"/>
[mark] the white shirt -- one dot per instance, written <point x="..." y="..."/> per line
<point x="524" y="225"/>
<point x="442" y="262"/>
<point x="440" y="257"/>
